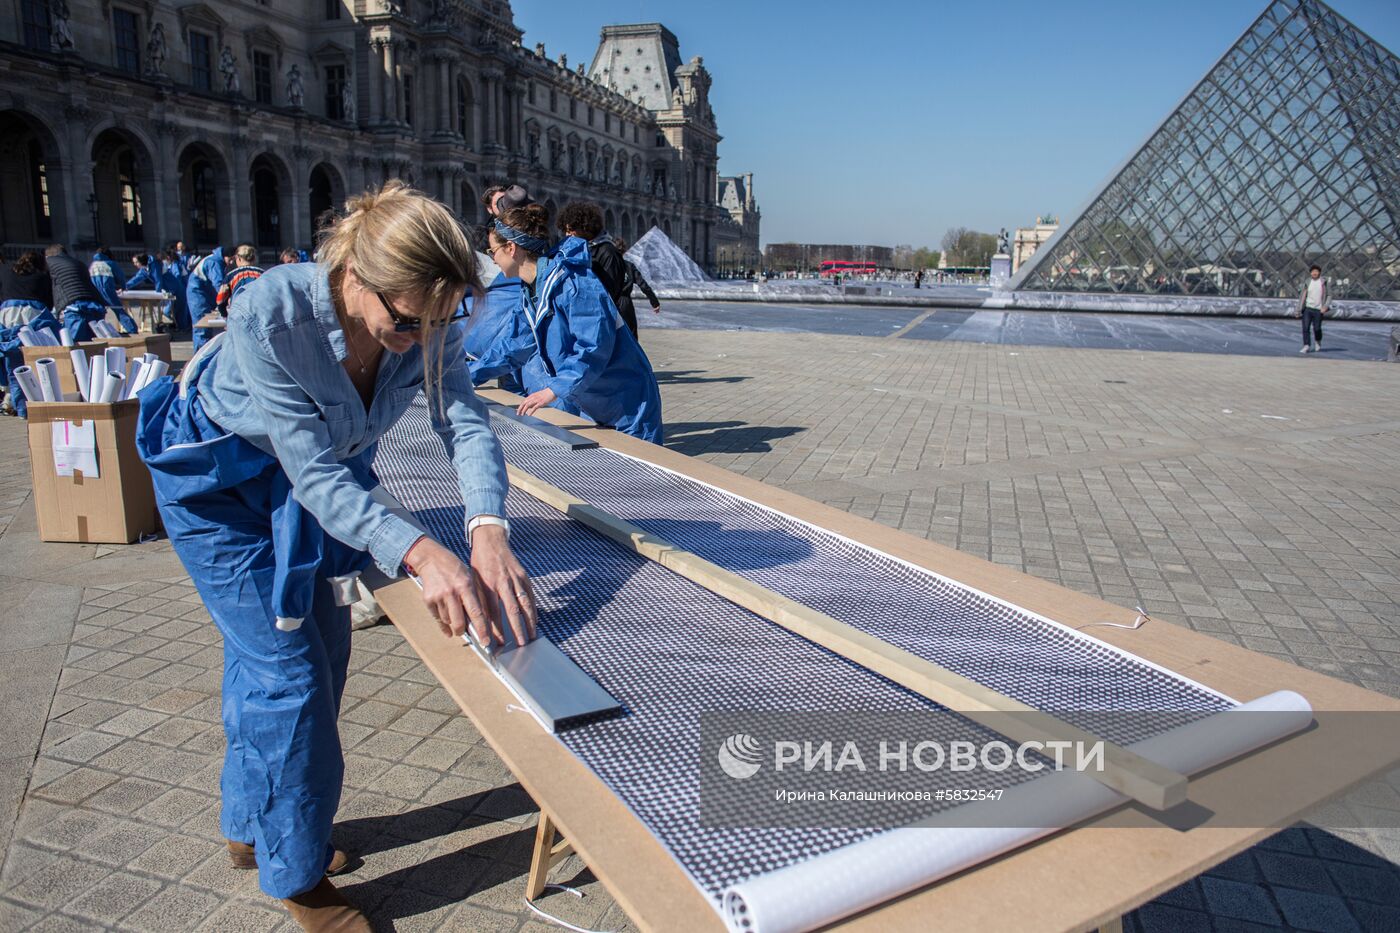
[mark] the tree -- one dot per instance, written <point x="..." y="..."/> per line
<point x="925" y="258"/>
<point x="966" y="247"/>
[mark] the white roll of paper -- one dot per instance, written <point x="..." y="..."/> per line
<point x="133" y="378"/>
<point x="853" y="878"/>
<point x="95" y="377"/>
<point x="111" y="387"/>
<point x="152" y="373"/>
<point x="26" y="337"/>
<point x="29" y="382"/>
<point x="65" y="338"/>
<point x="116" y="359"/>
<point x="81" y="375"/>
<point x="48" y="379"/>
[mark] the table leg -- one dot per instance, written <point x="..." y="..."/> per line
<point x="1112" y="926"/>
<point x="550" y="850"/>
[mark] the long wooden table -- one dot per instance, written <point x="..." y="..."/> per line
<point x="1082" y="878"/>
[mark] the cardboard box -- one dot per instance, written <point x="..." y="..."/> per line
<point x="159" y="344"/>
<point x="117" y="506"/>
<point x="62" y="356"/>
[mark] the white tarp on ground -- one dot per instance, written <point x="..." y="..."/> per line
<point x="662" y="261"/>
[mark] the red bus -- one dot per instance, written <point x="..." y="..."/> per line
<point x="843" y="268"/>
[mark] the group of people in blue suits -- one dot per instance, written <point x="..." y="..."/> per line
<point x="547" y="328"/>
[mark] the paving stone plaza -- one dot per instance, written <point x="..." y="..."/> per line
<point x="1254" y="498"/>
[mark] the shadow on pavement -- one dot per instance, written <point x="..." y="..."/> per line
<point x="724" y="437"/>
<point x="689" y="377"/>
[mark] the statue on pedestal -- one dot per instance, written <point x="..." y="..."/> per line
<point x="61" y="31"/>
<point x="347" y="99"/>
<point x="296" y="90"/>
<point x="156" y="51"/>
<point x="228" y="67"/>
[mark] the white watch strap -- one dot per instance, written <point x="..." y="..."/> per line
<point x="480" y="520"/>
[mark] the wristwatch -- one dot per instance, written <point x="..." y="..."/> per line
<point x="480" y="520"/>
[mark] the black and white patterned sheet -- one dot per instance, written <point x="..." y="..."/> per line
<point x="672" y="651"/>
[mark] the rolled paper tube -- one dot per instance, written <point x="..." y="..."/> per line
<point x="48" y="338"/>
<point x="149" y="357"/>
<point x="65" y="338"/>
<point x="81" y="375"/>
<point x="95" y="377"/>
<point x="112" y="387"/>
<point x="133" y="378"/>
<point x="29" y="381"/>
<point x="116" y="359"/>
<point x="26" y="337"/>
<point x="48" y="379"/>
<point x="153" y="373"/>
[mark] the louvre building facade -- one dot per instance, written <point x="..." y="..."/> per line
<point x="1284" y="155"/>
<point x="138" y="122"/>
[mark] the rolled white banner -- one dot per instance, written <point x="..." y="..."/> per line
<point x="111" y="387"/>
<point x="96" y="377"/>
<point x="149" y="357"/>
<point x="28" y="381"/>
<point x="133" y="378"/>
<point x="48" y="379"/>
<point x="116" y="359"/>
<point x="81" y="375"/>
<point x="850" y="879"/>
<point x="153" y="371"/>
<point x="27" y="337"/>
<point x="65" y="338"/>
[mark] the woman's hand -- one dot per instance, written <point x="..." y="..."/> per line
<point x="504" y="581"/>
<point x="534" y="402"/>
<point x="451" y="591"/>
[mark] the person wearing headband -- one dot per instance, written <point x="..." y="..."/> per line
<point x="587" y="359"/>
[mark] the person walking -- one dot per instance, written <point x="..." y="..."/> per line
<point x="261" y="457"/>
<point x="1312" y="305"/>
<point x="632" y="276"/>
<point x="589" y="359"/>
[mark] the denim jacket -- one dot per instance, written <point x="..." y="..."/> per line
<point x="279" y="383"/>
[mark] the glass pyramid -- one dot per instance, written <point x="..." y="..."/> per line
<point x="1285" y="154"/>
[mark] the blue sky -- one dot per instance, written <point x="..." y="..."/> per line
<point x="889" y="122"/>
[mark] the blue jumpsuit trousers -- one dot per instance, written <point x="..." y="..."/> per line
<point x="279" y="589"/>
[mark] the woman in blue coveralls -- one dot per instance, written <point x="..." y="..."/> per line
<point x="261" y="461"/>
<point x="589" y="359"/>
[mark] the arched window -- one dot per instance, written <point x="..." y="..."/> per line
<point x="204" y="209"/>
<point x="130" y="196"/>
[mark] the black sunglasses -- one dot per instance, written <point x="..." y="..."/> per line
<point x="408" y="325"/>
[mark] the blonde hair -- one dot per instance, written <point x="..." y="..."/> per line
<point x="246" y="252"/>
<point x="399" y="241"/>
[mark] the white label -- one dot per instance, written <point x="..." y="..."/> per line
<point x="75" y="448"/>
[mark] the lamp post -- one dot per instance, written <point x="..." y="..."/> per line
<point x="92" y="209"/>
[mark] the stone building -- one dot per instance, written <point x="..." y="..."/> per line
<point x="137" y="122"/>
<point x="1030" y="239"/>
<point x="737" y="250"/>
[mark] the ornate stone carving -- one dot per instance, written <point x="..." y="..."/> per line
<point x="156" y="51"/>
<point x="228" y="67"/>
<point x="296" y="89"/>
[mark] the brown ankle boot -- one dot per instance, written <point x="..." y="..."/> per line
<point x="324" y="910"/>
<point x="241" y="855"/>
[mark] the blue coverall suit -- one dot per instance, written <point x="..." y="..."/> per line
<point x="108" y="280"/>
<point x="260" y="459"/>
<point x="571" y="333"/>
<point x="202" y="293"/>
